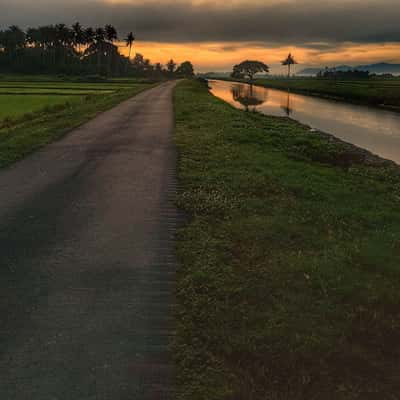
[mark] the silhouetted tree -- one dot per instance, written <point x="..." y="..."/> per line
<point x="78" y="36"/>
<point x="158" y="67"/>
<point x="333" y="73"/>
<point x="289" y="61"/>
<point x="129" y="42"/>
<point x="110" y="33"/>
<point x="141" y="66"/>
<point x="236" y="73"/>
<point x="185" y="69"/>
<point x="89" y="36"/>
<point x="158" y="71"/>
<point x="76" y="49"/>
<point x="171" y="65"/>
<point x="99" y="35"/>
<point x="250" y="68"/>
<point x="13" y="40"/>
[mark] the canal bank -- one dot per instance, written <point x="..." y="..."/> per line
<point x="372" y="129"/>
<point x="289" y="278"/>
<point x="376" y="92"/>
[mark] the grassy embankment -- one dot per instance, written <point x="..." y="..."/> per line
<point x="35" y="112"/>
<point x="289" y="285"/>
<point x="370" y="91"/>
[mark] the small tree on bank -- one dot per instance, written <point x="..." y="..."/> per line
<point x="249" y="69"/>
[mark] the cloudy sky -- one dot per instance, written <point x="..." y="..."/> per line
<point x="216" y="34"/>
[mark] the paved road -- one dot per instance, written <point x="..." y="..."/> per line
<point x="86" y="260"/>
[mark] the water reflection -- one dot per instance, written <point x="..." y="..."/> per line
<point x="248" y="96"/>
<point x="371" y="128"/>
<point x="286" y="105"/>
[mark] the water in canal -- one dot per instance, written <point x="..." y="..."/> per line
<point x="374" y="129"/>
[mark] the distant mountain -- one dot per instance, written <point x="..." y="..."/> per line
<point x="314" y="71"/>
<point x="380" y="68"/>
<point x="214" y="75"/>
<point x="309" y="71"/>
<point x="344" y="68"/>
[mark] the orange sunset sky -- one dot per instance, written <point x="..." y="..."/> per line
<point x="217" y="34"/>
<point x="210" y="57"/>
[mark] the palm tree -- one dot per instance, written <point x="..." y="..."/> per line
<point x="289" y="61"/>
<point x="129" y="42"/>
<point x="64" y="35"/>
<point x="109" y="48"/>
<point x="79" y="35"/>
<point x="65" y="40"/>
<point x="98" y="44"/>
<point x="13" y="41"/>
<point x="110" y="33"/>
<point x="89" y="36"/>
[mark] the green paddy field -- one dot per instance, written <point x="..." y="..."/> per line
<point x="36" y="110"/>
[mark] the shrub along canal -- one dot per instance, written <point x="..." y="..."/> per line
<point x="373" y="129"/>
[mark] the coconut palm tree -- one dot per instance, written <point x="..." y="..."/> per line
<point x="109" y="48"/>
<point x="89" y="36"/>
<point x="99" y="35"/>
<point x="110" y="33"/>
<point x="13" y="41"/>
<point x="129" y="42"/>
<point x="98" y="46"/>
<point x="78" y="35"/>
<point x="65" y="41"/>
<point x="289" y="61"/>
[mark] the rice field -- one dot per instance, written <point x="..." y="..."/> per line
<point x="22" y="98"/>
<point x="35" y="111"/>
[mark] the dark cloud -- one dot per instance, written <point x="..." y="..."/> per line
<point x="316" y="23"/>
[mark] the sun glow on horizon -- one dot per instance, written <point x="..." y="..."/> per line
<point x="222" y="56"/>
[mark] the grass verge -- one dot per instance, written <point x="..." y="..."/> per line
<point x="289" y="279"/>
<point x="20" y="136"/>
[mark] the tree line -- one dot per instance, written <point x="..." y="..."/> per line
<point x="62" y="49"/>
<point x="333" y="73"/>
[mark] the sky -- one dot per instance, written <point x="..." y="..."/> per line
<point x="217" y="34"/>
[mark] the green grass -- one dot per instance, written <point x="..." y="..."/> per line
<point x="369" y="91"/>
<point x="290" y="261"/>
<point x="53" y="91"/>
<point x="12" y="106"/>
<point x="69" y="79"/>
<point x="7" y="85"/>
<point x="18" y="98"/>
<point x="33" y="113"/>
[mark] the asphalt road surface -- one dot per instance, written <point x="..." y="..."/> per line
<point x="87" y="260"/>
